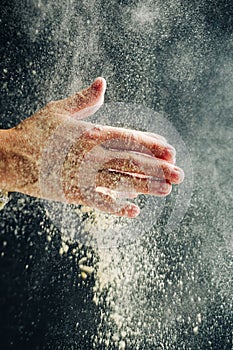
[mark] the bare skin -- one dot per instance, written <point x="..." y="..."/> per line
<point x="55" y="155"/>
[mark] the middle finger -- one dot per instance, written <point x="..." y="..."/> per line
<point x="131" y="162"/>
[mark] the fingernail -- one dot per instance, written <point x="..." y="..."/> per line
<point x="171" y="150"/>
<point x="132" y="211"/>
<point x="158" y="187"/>
<point x="180" y="173"/>
<point x="99" y="83"/>
<point x="154" y="186"/>
<point x="165" y="187"/>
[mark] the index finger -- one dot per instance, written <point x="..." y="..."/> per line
<point x="121" y="139"/>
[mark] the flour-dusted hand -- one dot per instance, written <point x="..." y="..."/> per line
<point x="57" y="155"/>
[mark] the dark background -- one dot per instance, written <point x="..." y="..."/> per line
<point x="183" y="67"/>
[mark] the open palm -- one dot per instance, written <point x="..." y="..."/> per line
<point x="64" y="158"/>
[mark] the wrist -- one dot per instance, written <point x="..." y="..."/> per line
<point x="10" y="160"/>
<point x="4" y="159"/>
<point x="4" y="185"/>
<point x="18" y="169"/>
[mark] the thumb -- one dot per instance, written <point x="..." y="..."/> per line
<point x="86" y="102"/>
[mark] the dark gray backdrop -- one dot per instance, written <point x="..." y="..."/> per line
<point x="171" y="56"/>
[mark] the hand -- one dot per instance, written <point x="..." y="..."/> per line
<point x="58" y="156"/>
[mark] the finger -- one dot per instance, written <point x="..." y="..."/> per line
<point x="104" y="201"/>
<point x="129" y="195"/>
<point x="85" y="102"/>
<point x="109" y="205"/>
<point x="156" y="136"/>
<point x="116" y="194"/>
<point x="132" y="184"/>
<point x="129" y="162"/>
<point x="130" y="140"/>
